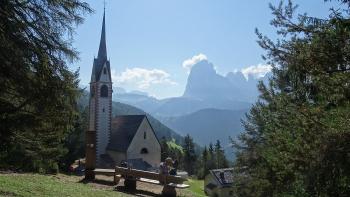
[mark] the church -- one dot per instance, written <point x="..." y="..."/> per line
<point x="128" y="138"/>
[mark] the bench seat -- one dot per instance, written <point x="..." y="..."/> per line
<point x="156" y="182"/>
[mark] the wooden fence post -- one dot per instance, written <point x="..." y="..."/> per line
<point x="90" y="154"/>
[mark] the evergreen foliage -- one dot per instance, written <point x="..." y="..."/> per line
<point x="296" y="139"/>
<point x="211" y="158"/>
<point x="75" y="141"/>
<point x="38" y="92"/>
<point x="190" y="156"/>
<point x="220" y="158"/>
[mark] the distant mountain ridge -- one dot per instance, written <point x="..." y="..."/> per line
<point x="205" y="83"/>
<point x="211" y="107"/>
<point x="205" y="89"/>
<point x="208" y="125"/>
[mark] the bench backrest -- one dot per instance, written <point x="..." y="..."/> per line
<point x="149" y="175"/>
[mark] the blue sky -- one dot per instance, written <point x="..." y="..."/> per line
<point x="148" y="41"/>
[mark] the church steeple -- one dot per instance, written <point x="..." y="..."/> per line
<point x="101" y="60"/>
<point x="100" y="105"/>
<point x="102" y="51"/>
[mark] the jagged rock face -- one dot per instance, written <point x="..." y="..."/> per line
<point x="237" y="79"/>
<point x="205" y="89"/>
<point x="204" y="83"/>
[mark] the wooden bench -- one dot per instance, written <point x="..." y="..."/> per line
<point x="132" y="175"/>
<point x="105" y="172"/>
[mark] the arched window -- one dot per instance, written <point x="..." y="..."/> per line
<point x="104" y="91"/>
<point x="104" y="71"/>
<point x="144" y="135"/>
<point x="144" y="151"/>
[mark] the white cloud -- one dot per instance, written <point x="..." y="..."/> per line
<point x="187" y="64"/>
<point x="142" y="78"/>
<point x="256" y="71"/>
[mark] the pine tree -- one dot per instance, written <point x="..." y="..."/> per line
<point x="75" y="141"/>
<point x="296" y="136"/>
<point x="189" y="155"/>
<point x="221" y="161"/>
<point x="38" y="92"/>
<point x="211" y="156"/>
<point x="205" y="161"/>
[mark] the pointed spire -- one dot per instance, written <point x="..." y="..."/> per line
<point x="102" y="51"/>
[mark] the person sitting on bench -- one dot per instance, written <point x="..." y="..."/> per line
<point x="173" y="171"/>
<point x="164" y="167"/>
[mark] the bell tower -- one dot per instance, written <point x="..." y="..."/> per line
<point x="100" y="104"/>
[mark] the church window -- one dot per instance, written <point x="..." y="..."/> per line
<point x="103" y="110"/>
<point x="104" y="91"/>
<point x="104" y="71"/>
<point x="144" y="151"/>
<point x="144" y="135"/>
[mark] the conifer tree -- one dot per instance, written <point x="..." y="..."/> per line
<point x="211" y="156"/>
<point x="205" y="161"/>
<point x="220" y="158"/>
<point x="296" y="136"/>
<point x="189" y="155"/>
<point x="38" y="92"/>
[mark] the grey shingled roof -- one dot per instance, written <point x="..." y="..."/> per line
<point x="223" y="176"/>
<point x="123" y="131"/>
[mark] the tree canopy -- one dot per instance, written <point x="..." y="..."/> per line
<point x="38" y="91"/>
<point x="296" y="139"/>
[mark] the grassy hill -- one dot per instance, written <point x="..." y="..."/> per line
<point x="28" y="185"/>
<point x="44" y="185"/>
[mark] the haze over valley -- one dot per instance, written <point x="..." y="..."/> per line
<point x="211" y="107"/>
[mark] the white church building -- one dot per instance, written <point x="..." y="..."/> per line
<point x="129" y="138"/>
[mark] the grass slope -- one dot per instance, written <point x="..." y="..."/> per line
<point x="196" y="187"/>
<point x="43" y="185"/>
<point x="63" y="185"/>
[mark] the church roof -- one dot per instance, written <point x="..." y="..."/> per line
<point x="102" y="55"/>
<point x="123" y="131"/>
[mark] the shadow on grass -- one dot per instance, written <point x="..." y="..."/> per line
<point x="98" y="181"/>
<point x="7" y="193"/>
<point x="135" y="192"/>
<point x="119" y="188"/>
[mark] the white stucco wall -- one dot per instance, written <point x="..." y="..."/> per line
<point x="103" y="125"/>
<point x="150" y="143"/>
